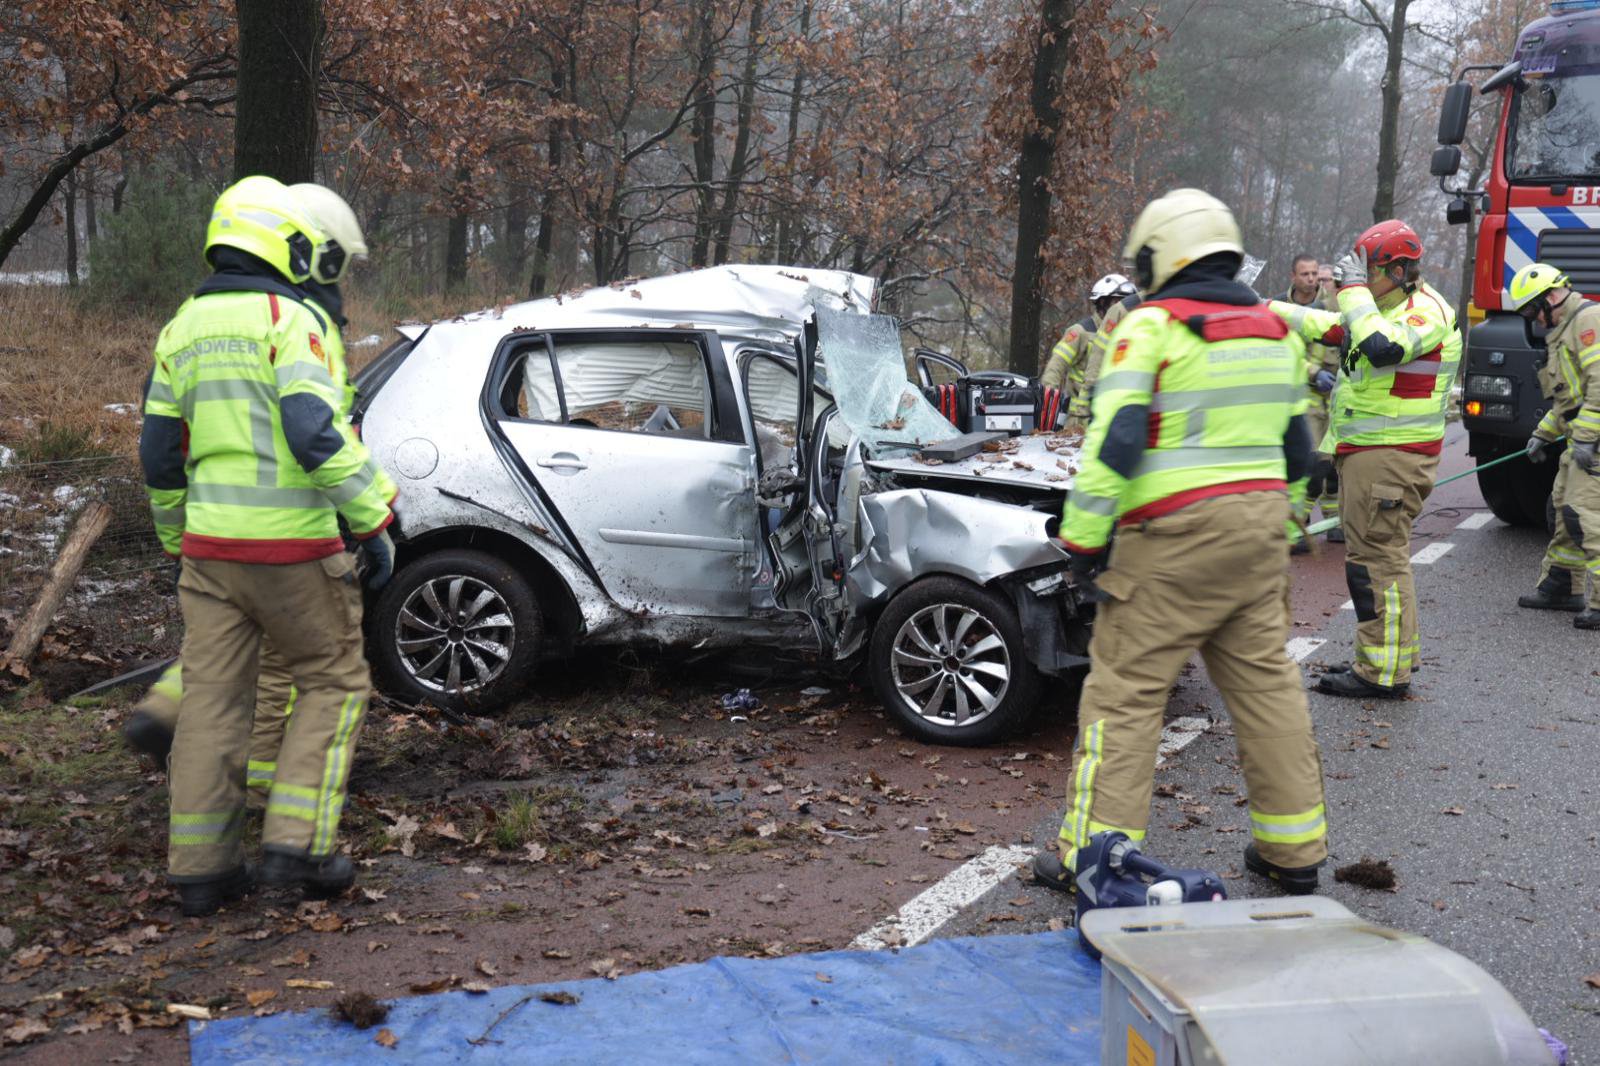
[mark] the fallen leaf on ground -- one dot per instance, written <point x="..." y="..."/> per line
<point x="438" y="984"/>
<point x="386" y="1038"/>
<point x="562" y="998"/>
<point x="189" y="1010"/>
<point x="766" y="829"/>
<point x="25" y="1030"/>
<point x="1368" y="873"/>
<point x="556" y="953"/>
<point x="257" y="996"/>
<point x="606" y="968"/>
<point x="373" y="895"/>
<point x="448" y="830"/>
<point x="1593" y="980"/>
<point x="965" y="828"/>
<point x="1453" y="810"/>
<point x="28" y="958"/>
<point x="307" y="982"/>
<point x="301" y="958"/>
<point x="487" y="968"/>
<point x="328" y="923"/>
<point x="360" y="1009"/>
<point x="405" y="830"/>
<point x="534" y="852"/>
<point x="477" y="988"/>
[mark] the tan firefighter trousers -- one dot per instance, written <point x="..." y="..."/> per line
<point x="1567" y="554"/>
<point x="311" y="612"/>
<point x="1210" y="578"/>
<point x="1579" y="514"/>
<point x="275" y="694"/>
<point x="1381" y="491"/>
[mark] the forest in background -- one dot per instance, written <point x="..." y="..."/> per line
<point x="498" y="149"/>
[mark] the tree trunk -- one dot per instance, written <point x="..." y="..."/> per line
<point x="786" y="217"/>
<point x="1389" y="122"/>
<point x="515" y="256"/>
<point x="555" y="148"/>
<point x="1037" y="153"/>
<point x="702" y="131"/>
<point x="72" y="228"/>
<point x="455" y="245"/>
<point x="740" y="160"/>
<point x="90" y="225"/>
<point x="275" y="128"/>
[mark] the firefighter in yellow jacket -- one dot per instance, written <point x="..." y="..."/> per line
<point x="150" y="728"/>
<point x="1198" y="429"/>
<point x="1070" y="356"/>
<point x="249" y="467"/>
<point x="1387" y="425"/>
<point x="1541" y="293"/>
<point x="1322" y="372"/>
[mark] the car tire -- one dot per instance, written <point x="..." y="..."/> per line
<point x="1517" y="492"/>
<point x="494" y="652"/>
<point x="981" y="640"/>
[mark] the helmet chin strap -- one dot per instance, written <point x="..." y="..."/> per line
<point x="1549" y="311"/>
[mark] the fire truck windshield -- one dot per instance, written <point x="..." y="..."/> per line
<point x="1555" y="128"/>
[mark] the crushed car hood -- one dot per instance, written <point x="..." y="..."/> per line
<point x="768" y="304"/>
<point x="1041" y="461"/>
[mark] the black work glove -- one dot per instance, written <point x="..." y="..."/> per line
<point x="177" y="572"/>
<point x="378" y="553"/>
<point x="1083" y="566"/>
<point x="1324" y="382"/>
<point x="1583" y="454"/>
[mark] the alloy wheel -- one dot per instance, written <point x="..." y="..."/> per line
<point x="950" y="665"/>
<point x="454" y="634"/>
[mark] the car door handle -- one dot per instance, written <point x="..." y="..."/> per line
<point x="564" y="462"/>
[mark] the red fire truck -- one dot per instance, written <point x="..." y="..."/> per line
<point x="1540" y="202"/>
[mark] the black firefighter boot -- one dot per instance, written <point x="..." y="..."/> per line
<point x="1588" y="619"/>
<point x="1050" y="871"/>
<point x="1553" y="594"/>
<point x="322" y="878"/>
<point x="1295" y="880"/>
<point x="148" y="736"/>
<point x="199" y="898"/>
<point x="1349" y="683"/>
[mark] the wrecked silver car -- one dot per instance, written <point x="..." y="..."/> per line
<point x="729" y="457"/>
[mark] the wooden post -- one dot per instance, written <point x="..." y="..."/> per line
<point x="91" y="523"/>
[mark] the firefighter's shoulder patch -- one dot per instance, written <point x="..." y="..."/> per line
<point x="1417" y="320"/>
<point x="1119" y="353"/>
<point x="1586" y="338"/>
<point x="316" y="348"/>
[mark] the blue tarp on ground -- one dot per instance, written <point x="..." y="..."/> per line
<point x="998" y="999"/>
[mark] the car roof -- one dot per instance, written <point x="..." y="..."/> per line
<point x="759" y="303"/>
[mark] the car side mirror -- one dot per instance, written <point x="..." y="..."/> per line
<point x="1453" y="114"/>
<point x="1459" y="212"/>
<point x="1445" y="162"/>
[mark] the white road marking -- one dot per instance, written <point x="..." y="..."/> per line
<point x="1348" y="605"/>
<point x="1475" y="521"/>
<point x="1299" y="648"/>
<point x="1432" y="553"/>
<point x="1179" y="734"/>
<point x="938" y="903"/>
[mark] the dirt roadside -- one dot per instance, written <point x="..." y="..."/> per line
<point x="598" y="829"/>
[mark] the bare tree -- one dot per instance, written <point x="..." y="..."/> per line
<point x="275" y="126"/>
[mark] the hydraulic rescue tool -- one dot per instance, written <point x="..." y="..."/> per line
<point x="1113" y="872"/>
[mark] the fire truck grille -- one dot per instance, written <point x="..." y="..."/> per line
<point x="1576" y="251"/>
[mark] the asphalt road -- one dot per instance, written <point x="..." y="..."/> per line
<point x="1481" y="791"/>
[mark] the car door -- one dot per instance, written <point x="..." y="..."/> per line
<point x="634" y="438"/>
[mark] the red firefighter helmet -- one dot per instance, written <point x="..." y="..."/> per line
<point x="1388" y="241"/>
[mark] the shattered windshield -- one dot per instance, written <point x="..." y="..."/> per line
<point x="867" y="375"/>
<point x="1555" y="131"/>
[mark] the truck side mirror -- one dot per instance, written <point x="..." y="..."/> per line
<point x="1445" y="162"/>
<point x="1459" y="212"/>
<point x="1453" y="115"/>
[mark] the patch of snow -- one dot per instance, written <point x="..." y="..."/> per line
<point x="369" y="341"/>
<point x="89" y="589"/>
<point x="36" y="277"/>
<point x="122" y="408"/>
<point x="65" y="494"/>
<point x="7" y="457"/>
<point x="8" y="499"/>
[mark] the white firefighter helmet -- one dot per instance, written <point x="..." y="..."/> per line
<point x="342" y="239"/>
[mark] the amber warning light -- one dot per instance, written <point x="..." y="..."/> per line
<point x="1474" y="407"/>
